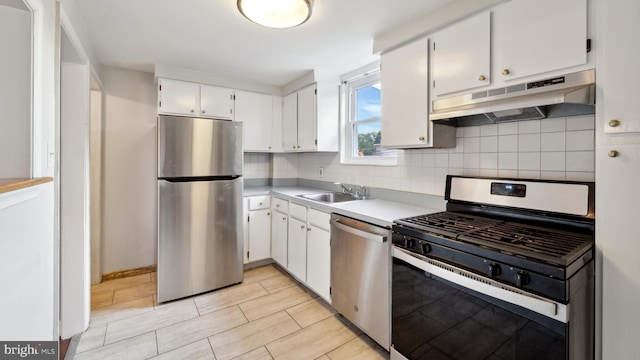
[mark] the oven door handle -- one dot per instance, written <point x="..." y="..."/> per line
<point x="358" y="232"/>
<point x="468" y="280"/>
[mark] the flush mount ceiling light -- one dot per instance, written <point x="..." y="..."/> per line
<point x="277" y="14"/>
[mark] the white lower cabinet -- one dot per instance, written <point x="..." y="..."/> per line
<point x="307" y="248"/>
<point x="319" y="262"/>
<point x="279" y="223"/>
<point x="297" y="249"/>
<point x="257" y="236"/>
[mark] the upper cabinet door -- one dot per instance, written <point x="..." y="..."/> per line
<point x="255" y="111"/>
<point x="307" y="115"/>
<point x="290" y="122"/>
<point x="461" y="55"/>
<point x="216" y="102"/>
<point x="404" y="77"/>
<point x="617" y="68"/>
<point x="178" y="98"/>
<point x="537" y="36"/>
<point x="276" y="131"/>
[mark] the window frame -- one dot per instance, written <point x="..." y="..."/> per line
<point x="348" y="138"/>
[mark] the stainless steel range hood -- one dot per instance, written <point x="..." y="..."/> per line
<point x="567" y="95"/>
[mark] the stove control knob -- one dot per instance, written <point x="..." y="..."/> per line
<point x="425" y="248"/>
<point x="493" y="270"/>
<point x="409" y="243"/>
<point x="522" y="278"/>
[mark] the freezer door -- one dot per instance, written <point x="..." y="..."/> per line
<point x="193" y="147"/>
<point x="200" y="236"/>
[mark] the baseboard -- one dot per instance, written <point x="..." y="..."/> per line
<point x="258" y="263"/>
<point x="130" y="272"/>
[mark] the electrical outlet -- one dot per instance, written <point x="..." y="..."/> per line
<point x="321" y="172"/>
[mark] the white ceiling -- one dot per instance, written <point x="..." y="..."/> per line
<point x="213" y="37"/>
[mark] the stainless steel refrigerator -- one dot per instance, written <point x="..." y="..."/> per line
<point x="200" y="234"/>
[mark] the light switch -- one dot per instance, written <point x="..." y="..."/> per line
<point x="51" y="155"/>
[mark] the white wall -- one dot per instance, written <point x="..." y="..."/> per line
<point x="74" y="194"/>
<point x="95" y="129"/>
<point x="26" y="265"/>
<point x="129" y="178"/>
<point x="15" y="93"/>
<point x="557" y="149"/>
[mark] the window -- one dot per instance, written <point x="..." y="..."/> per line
<point x="361" y="123"/>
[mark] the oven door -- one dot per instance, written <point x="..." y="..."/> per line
<point x="443" y="312"/>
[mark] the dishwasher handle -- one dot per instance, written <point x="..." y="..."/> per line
<point x="358" y="232"/>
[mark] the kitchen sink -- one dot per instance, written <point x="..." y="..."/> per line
<point x="330" y="197"/>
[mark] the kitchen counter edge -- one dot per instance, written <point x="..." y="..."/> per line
<point x="375" y="211"/>
<point x="9" y="185"/>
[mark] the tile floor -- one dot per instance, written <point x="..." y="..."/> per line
<point x="268" y="316"/>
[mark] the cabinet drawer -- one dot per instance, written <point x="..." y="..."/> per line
<point x="298" y="211"/>
<point x="259" y="202"/>
<point x="319" y="219"/>
<point x="280" y="205"/>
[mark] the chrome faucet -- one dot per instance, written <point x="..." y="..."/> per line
<point x="358" y="191"/>
<point x="345" y="190"/>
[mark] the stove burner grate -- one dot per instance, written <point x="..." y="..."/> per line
<point x="533" y="242"/>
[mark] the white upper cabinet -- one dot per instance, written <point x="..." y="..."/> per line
<point x="290" y="122"/>
<point x="216" y="102"/>
<point x="618" y="70"/>
<point x="310" y="119"/>
<point x="404" y="76"/>
<point x="461" y="55"/>
<point x="531" y="39"/>
<point x="307" y="119"/>
<point x="276" y="129"/>
<point x="256" y="112"/>
<point x="191" y="99"/>
<point x="538" y="36"/>
<point x="178" y="98"/>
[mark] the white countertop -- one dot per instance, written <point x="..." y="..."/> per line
<point x="374" y="211"/>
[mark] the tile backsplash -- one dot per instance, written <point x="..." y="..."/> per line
<point x="258" y="166"/>
<point x="554" y="149"/>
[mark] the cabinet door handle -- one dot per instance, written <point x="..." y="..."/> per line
<point x="284" y="218"/>
<point x="203" y="111"/>
<point x="614" y="123"/>
<point x="308" y="229"/>
<point x="421" y="138"/>
<point x="302" y="227"/>
<point x="506" y="72"/>
<point x="482" y="78"/>
<point x="193" y="111"/>
<point x="613" y="153"/>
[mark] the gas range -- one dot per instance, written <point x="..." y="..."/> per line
<point x="506" y="254"/>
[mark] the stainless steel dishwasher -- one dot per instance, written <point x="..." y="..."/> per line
<point x="360" y="267"/>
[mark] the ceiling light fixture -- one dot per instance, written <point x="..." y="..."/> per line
<point x="277" y="14"/>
